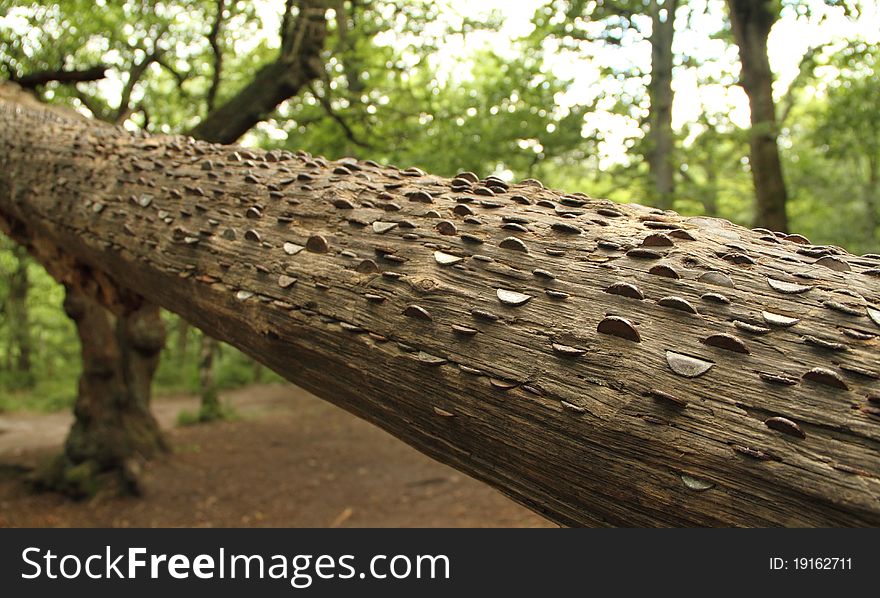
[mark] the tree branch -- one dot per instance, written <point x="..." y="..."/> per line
<point x="556" y="366"/>
<point x="328" y="108"/>
<point x="214" y="41"/>
<point x="33" y="80"/>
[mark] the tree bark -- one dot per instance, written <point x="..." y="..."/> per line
<point x="661" y="139"/>
<point x="751" y="21"/>
<point x="113" y="430"/>
<point x="19" y="322"/>
<point x="602" y="364"/>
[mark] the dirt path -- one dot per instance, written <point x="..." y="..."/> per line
<point x="288" y="460"/>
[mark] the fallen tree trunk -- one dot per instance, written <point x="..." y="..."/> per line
<point x="601" y="364"/>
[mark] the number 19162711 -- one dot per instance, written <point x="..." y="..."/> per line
<point x="821" y="563"/>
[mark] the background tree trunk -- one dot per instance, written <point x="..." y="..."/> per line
<point x="19" y="322"/>
<point x="751" y="21"/>
<point x="600" y="363"/>
<point x="661" y="139"/>
<point x="113" y="429"/>
<point x="210" y="409"/>
<point x="182" y="339"/>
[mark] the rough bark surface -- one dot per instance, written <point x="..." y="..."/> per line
<point x="602" y="364"/>
<point x="751" y="21"/>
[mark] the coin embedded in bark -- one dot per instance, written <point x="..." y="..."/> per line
<point x="625" y="289"/>
<point x="874" y="314"/>
<point x="789" y="288"/>
<point x="367" y="267"/>
<point x="564" y="227"/>
<point x="556" y="294"/>
<point x="446" y="259"/>
<point x="243" y="295"/>
<point x="687" y="366"/>
<point x="572" y="407"/>
<point x="414" y="311"/>
<point x="464" y="330"/>
<point x="620" y="327"/>
<point x="784" y="379"/>
<point x="644" y="254"/>
<point x="468" y="176"/>
<point x="716" y="278"/>
<point x="462" y="210"/>
<point x="826" y="377"/>
<point x="833" y="263"/>
<point x="383" y="227"/>
<point x="657" y="240"/>
<point x="285" y="281"/>
<point x="445" y="227"/>
<point x="824" y="344"/>
<point x="785" y="425"/>
<point x="317" y="244"/>
<point x="292" y="248"/>
<point x="727" y="342"/>
<point x="779" y="320"/>
<point x="665" y="271"/>
<point x="484" y="191"/>
<point x="754" y="329"/>
<point x="512" y="297"/>
<point x="432" y="360"/>
<point x="420" y="196"/>
<point x="741" y="259"/>
<point x="678" y="303"/>
<point x="443" y="412"/>
<point x="696" y="484"/>
<point x="503" y="384"/>
<point x="568" y="351"/>
<point x="682" y="234"/>
<point x="252" y="235"/>
<point x="145" y="200"/>
<point x="253" y="213"/>
<point x="514" y="244"/>
<point x="842" y="308"/>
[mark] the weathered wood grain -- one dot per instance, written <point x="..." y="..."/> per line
<point x="602" y="364"/>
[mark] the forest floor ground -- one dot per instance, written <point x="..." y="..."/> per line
<point x="287" y="459"/>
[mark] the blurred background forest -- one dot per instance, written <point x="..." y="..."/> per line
<point x="634" y="100"/>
